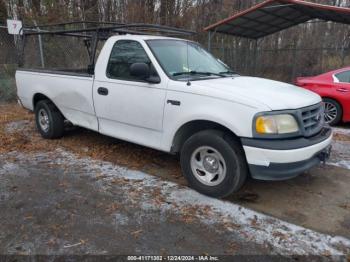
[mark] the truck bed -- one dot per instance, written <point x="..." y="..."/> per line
<point x="70" y="90"/>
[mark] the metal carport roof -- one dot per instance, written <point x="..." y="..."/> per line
<point x="272" y="16"/>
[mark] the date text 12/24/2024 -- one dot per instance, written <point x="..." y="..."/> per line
<point x="173" y="258"/>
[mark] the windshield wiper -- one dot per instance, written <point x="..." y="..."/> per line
<point x="229" y="72"/>
<point x="198" y="73"/>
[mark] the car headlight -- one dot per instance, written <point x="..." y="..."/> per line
<point x="276" y="124"/>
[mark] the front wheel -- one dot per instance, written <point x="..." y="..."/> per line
<point x="214" y="163"/>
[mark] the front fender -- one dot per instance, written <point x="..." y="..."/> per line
<point x="234" y="116"/>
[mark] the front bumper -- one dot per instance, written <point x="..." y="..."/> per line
<point x="287" y="158"/>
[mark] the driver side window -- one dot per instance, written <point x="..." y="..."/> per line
<point x="124" y="54"/>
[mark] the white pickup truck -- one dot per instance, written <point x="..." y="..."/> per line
<point x="172" y="95"/>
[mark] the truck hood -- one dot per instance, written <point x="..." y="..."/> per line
<point x="273" y="94"/>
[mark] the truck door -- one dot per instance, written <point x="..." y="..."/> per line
<point x="126" y="107"/>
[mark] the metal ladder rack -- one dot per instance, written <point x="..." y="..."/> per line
<point x="92" y="32"/>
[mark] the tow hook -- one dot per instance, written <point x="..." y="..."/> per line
<point x="325" y="154"/>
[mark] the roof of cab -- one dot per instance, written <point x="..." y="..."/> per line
<point x="144" y="37"/>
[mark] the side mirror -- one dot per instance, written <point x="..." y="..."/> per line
<point x="140" y="70"/>
<point x="143" y="72"/>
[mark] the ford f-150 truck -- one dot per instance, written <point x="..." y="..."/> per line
<point x="172" y="95"/>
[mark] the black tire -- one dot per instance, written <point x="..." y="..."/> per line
<point x="55" y="120"/>
<point x="339" y="112"/>
<point x="232" y="153"/>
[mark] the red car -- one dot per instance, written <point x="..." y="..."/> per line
<point x="334" y="88"/>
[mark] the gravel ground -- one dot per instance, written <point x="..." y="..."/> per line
<point x="56" y="203"/>
<point x="64" y="196"/>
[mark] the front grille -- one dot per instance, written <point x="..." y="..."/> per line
<point x="312" y="119"/>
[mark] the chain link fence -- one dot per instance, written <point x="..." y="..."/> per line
<point x="8" y="65"/>
<point x="62" y="52"/>
<point x="283" y="64"/>
<point x="46" y="52"/>
<point x="55" y="52"/>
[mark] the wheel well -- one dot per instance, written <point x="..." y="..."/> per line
<point x="38" y="97"/>
<point x="332" y="98"/>
<point x="336" y="100"/>
<point x="190" y="128"/>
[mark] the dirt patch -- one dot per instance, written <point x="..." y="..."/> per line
<point x="83" y="142"/>
<point x="295" y="215"/>
<point x="317" y="199"/>
<point x="346" y="222"/>
<point x="342" y="133"/>
<point x="341" y="137"/>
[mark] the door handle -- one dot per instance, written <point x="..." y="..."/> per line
<point x="102" y="91"/>
<point x="174" y="102"/>
<point x="343" y="90"/>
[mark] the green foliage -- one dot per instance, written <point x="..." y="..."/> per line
<point x="7" y="83"/>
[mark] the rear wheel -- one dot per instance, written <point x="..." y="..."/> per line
<point x="49" y="120"/>
<point x="333" y="111"/>
<point x="214" y="163"/>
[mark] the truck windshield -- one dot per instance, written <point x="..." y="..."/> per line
<point x="182" y="60"/>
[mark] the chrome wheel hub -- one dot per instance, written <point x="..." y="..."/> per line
<point x="208" y="166"/>
<point x="330" y="112"/>
<point x="43" y="120"/>
<point x="211" y="164"/>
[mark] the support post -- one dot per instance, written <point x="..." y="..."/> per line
<point x="91" y="67"/>
<point x="17" y="42"/>
<point x="209" y="41"/>
<point x="342" y="56"/>
<point x="20" y="48"/>
<point x="41" y="52"/>
<point x="222" y="50"/>
<point x="40" y="46"/>
<point x="294" y="61"/>
<point x="255" y="59"/>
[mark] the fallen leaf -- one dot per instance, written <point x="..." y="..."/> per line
<point x="232" y="249"/>
<point x="113" y="207"/>
<point x="137" y="233"/>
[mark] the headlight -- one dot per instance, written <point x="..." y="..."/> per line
<point x="276" y="124"/>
